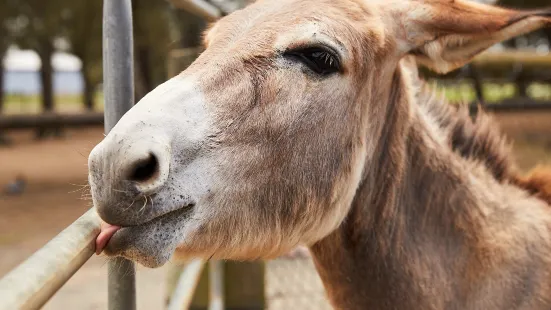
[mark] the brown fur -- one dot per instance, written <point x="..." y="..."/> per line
<point x="480" y="139"/>
<point x="477" y="139"/>
<point x="537" y="182"/>
<point x="404" y="203"/>
<point x="415" y="223"/>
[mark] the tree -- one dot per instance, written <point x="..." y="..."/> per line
<point x="83" y="31"/>
<point x="153" y="34"/>
<point x="6" y="15"/>
<point x="38" y="26"/>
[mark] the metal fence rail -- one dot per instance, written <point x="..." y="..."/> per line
<point x="35" y="281"/>
<point x="50" y="120"/>
<point x="200" y="8"/>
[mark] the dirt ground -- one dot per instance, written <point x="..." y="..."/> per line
<point x="55" y="172"/>
<point x="530" y="134"/>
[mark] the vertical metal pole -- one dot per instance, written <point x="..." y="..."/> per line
<point x="216" y="285"/>
<point x="118" y="86"/>
<point x="182" y="296"/>
<point x="118" y="60"/>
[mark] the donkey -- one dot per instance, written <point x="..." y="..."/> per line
<point x="300" y="123"/>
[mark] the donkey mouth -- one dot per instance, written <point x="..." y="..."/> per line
<point x="109" y="232"/>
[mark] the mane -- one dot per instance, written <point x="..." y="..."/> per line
<point x="537" y="182"/>
<point x="479" y="139"/>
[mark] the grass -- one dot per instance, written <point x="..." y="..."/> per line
<point x="30" y="104"/>
<point x="456" y="93"/>
<point x="493" y="92"/>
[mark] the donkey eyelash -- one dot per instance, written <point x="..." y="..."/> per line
<point x="320" y="60"/>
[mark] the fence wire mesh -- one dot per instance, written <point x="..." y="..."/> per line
<point x="292" y="282"/>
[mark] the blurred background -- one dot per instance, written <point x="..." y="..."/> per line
<point x="51" y="117"/>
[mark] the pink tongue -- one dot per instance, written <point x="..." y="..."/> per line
<point x="107" y="231"/>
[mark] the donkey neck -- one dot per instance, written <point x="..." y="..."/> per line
<point x="412" y="220"/>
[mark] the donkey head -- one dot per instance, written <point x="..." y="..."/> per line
<point x="262" y="142"/>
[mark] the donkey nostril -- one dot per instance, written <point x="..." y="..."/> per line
<point x="145" y="170"/>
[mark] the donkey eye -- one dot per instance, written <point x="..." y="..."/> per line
<point x="317" y="59"/>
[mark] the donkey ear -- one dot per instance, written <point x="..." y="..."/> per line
<point x="446" y="34"/>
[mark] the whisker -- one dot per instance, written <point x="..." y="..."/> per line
<point x="82" y="188"/>
<point x="80" y="153"/>
<point x="80" y="185"/>
<point x="130" y="206"/>
<point x="120" y="191"/>
<point x="144" y="204"/>
<point x="150" y="201"/>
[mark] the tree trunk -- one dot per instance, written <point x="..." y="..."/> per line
<point x="142" y="72"/>
<point x="3" y="139"/>
<point x="1" y="85"/>
<point x="46" y="77"/>
<point x="477" y="84"/>
<point x="520" y="83"/>
<point x="46" y="52"/>
<point x="522" y="86"/>
<point x="88" y="88"/>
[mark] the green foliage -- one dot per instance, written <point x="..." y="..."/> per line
<point x="83" y="30"/>
<point x="7" y="14"/>
<point x="153" y="37"/>
<point x="16" y="104"/>
<point x="459" y="93"/>
<point x="38" y="23"/>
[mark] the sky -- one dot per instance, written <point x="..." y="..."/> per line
<point x="21" y="74"/>
<point x="27" y="60"/>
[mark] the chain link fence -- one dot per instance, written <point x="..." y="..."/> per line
<point x="292" y="282"/>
